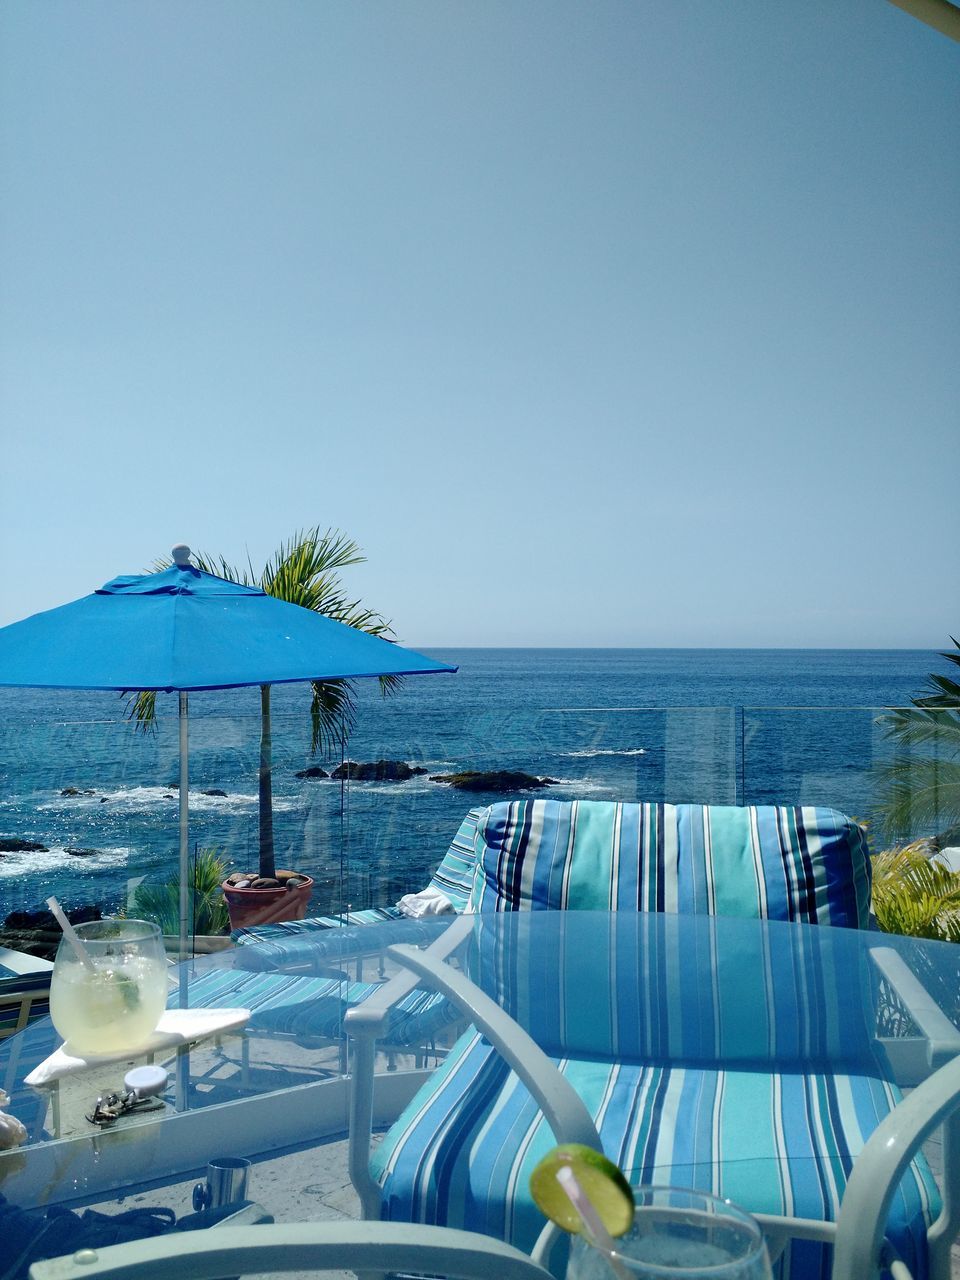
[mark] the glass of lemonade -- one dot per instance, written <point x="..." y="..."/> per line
<point x="114" y="1003"/>
<point x="677" y="1235"/>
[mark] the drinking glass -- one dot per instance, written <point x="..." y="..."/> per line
<point x="113" y="1003"/>
<point x="677" y="1235"/>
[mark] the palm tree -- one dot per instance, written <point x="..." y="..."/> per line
<point x="304" y="571"/>
<point x="924" y="788"/>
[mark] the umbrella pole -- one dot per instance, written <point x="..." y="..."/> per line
<point x="184" y="826"/>
<point x="183" y="1058"/>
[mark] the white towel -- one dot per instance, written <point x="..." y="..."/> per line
<point x="176" y="1027"/>
<point x="431" y="902"/>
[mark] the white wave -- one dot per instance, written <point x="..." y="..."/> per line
<point x="604" y="751"/>
<point x="582" y="787"/>
<point x="57" y="859"/>
<point x="146" y="799"/>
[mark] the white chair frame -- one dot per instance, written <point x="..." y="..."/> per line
<point x="364" y="1247"/>
<point x="861" y="1250"/>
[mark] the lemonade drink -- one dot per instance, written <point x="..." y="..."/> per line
<point x="115" y="1002"/>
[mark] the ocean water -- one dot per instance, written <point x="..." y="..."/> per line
<point x="722" y="726"/>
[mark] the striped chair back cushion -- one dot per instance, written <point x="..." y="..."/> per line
<point x="455" y="874"/>
<point x="773" y="862"/>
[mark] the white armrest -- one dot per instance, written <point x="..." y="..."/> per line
<point x="877" y="1173"/>
<point x="943" y="1038"/>
<point x="367" y="1018"/>
<point x="364" y="1023"/>
<point x="299" y="1246"/>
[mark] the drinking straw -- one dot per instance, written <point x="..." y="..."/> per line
<point x="83" y="955"/>
<point x="598" y="1233"/>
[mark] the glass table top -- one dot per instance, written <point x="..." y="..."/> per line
<point x="715" y="991"/>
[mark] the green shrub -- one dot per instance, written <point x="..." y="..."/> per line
<point x="208" y="910"/>
<point x="915" y="896"/>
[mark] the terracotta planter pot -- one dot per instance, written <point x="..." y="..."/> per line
<point x="266" y="906"/>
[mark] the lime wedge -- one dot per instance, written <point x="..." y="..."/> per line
<point x="603" y="1184"/>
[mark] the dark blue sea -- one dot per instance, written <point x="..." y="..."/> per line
<point x="718" y="725"/>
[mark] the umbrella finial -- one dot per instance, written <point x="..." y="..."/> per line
<point x="181" y="555"/>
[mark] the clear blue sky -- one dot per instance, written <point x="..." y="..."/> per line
<point x="606" y="323"/>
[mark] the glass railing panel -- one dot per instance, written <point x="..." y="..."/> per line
<point x="397" y="833"/>
<point x="101" y="786"/>
<point x="849" y="759"/>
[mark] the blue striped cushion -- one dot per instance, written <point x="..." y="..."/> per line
<point x="687" y="988"/>
<point x="781" y="863"/>
<point x="287" y="929"/>
<point x="313" y="1008"/>
<point x="317" y="951"/>
<point x="781" y="1143"/>
<point x="454" y="876"/>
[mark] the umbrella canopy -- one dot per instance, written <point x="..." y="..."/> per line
<point x="182" y="630"/>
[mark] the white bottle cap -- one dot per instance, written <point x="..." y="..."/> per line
<point x="146" y="1082"/>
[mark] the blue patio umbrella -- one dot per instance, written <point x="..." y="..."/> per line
<point x="182" y="630"/>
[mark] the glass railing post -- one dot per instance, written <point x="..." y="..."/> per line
<point x="740" y="757"/>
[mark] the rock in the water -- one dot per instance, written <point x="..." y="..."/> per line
<point x="81" y="853"/>
<point x="70" y="791"/>
<point x="44" y="920"/>
<point x="13" y="844"/>
<point x="313" y="772"/>
<point x="503" y="780"/>
<point x="377" y="771"/>
<point x="214" y="791"/>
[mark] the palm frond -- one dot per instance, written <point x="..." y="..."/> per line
<point x="305" y="569"/>
<point x="918" y="726"/>
<point x="947" y="691"/>
<point x="221" y="568"/>
<point x="923" y="788"/>
<point x="918" y="792"/>
<point x="389" y="685"/>
<point x="142" y="709"/>
<point x="333" y="714"/>
<point x="913" y="895"/>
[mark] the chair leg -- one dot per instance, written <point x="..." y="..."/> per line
<point x="942" y="1235"/>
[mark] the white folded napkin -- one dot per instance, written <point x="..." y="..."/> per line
<point x="176" y="1027"/>
<point x="431" y="902"/>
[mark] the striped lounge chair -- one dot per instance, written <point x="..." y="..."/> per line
<point x="305" y="945"/>
<point x="308" y="958"/>
<point x="310" y="1010"/>
<point x="23" y="998"/>
<point x="462" y="1151"/>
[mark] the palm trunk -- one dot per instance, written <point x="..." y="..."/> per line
<point x="267" y="864"/>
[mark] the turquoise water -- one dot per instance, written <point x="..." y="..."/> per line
<point x="677" y="725"/>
